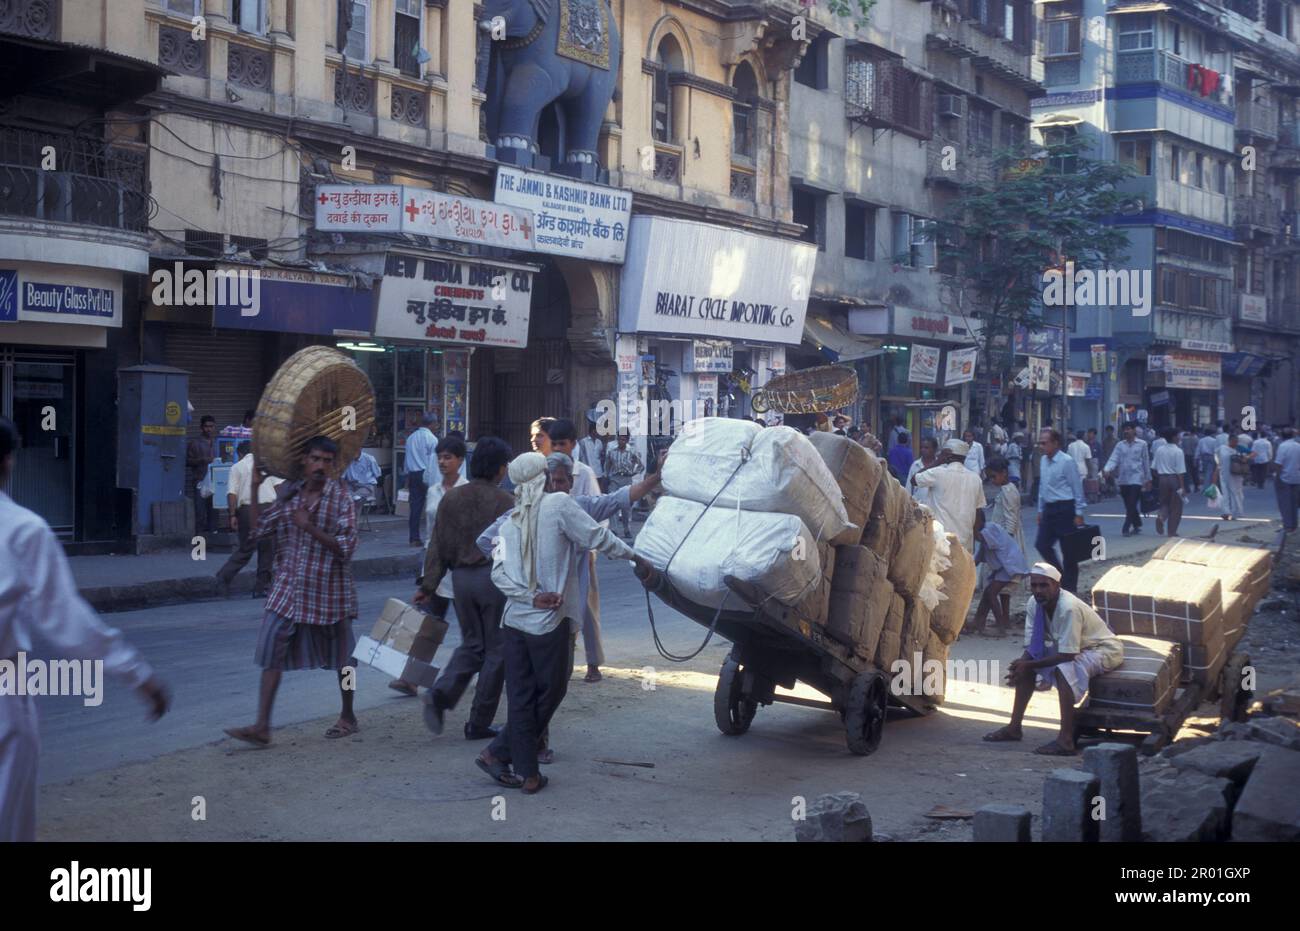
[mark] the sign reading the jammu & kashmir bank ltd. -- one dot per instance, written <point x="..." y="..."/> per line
<point x="694" y="279"/>
<point x="455" y="300"/>
<point x="582" y="221"/>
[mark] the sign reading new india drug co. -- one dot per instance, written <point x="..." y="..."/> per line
<point x="695" y="279"/>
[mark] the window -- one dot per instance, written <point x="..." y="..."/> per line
<point x="1168" y="286"/>
<point x="186" y="7"/>
<point x="249" y="15"/>
<point x="979" y="129"/>
<point x="924" y="248"/>
<point x="743" y="114"/>
<point x="1136" y="153"/>
<point x="1013" y="133"/>
<point x="901" y="238"/>
<point x="1221" y="177"/>
<point x="812" y="70"/>
<point x="204" y="243"/>
<point x="1194" y="288"/>
<point x="408" y="36"/>
<point x="1276" y="14"/>
<point x="860" y="82"/>
<point x="668" y="59"/>
<point x="1009" y="13"/>
<point x="1175" y="163"/>
<point x="913" y="102"/>
<point x="357" y="25"/>
<point x="859" y="231"/>
<point x="255" y="247"/>
<point x="1062" y="164"/>
<point x="1137" y="32"/>
<point x="810" y="211"/>
<point x="1198" y="171"/>
<point x="1061" y="29"/>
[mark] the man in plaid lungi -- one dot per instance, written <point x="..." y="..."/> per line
<point x="313" y="600"/>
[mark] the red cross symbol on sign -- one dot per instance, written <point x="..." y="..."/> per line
<point x="324" y="199"/>
<point x="526" y="228"/>
<point x="412" y="211"/>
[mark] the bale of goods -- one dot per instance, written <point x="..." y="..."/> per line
<point x="888" y="509"/>
<point x="916" y="629"/>
<point x="826" y="557"/>
<point x="1146" y="681"/>
<point x="318" y="391"/>
<point x="756" y="547"/>
<point x="1236" y="614"/>
<point x="936" y="652"/>
<point x="877" y="614"/>
<point x="947" y="619"/>
<point x="857" y="570"/>
<point x="815" y="606"/>
<point x="1186" y="608"/>
<point x="1256" y="563"/>
<point x="891" y="642"/>
<point x="856" y="601"/>
<point x="857" y="471"/>
<point x="1203" y="662"/>
<point x="1232" y="580"/>
<point x="782" y="474"/>
<point x="910" y="560"/>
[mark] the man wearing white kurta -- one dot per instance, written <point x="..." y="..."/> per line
<point x="38" y="595"/>
<point x="956" y="493"/>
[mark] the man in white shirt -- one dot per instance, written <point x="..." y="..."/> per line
<point x="1205" y="458"/>
<point x="591" y="451"/>
<point x="1261" y="454"/>
<point x="1080" y="452"/>
<point x="536" y="566"/>
<point x="239" y="490"/>
<point x="1221" y="439"/>
<point x="1286" y="484"/>
<point x="419" y="456"/>
<point x="1171" y="469"/>
<point x="956" y="493"/>
<point x="974" y="459"/>
<point x="39" y="595"/>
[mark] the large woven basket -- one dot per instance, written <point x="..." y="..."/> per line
<point x="811" y="391"/>
<point x="318" y="391"/>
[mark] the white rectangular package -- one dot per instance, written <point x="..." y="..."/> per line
<point x="784" y="474"/>
<point x="756" y="547"/>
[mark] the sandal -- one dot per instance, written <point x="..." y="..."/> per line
<point x="1002" y="734"/>
<point x="1055" y="749"/>
<point x="593" y="675"/>
<point x="541" y="784"/>
<point x="248" y="735"/>
<point x="500" y="773"/>
<point x="345" y="729"/>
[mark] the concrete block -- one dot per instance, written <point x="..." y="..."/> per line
<point x="1223" y="759"/>
<point x="1068" y="805"/>
<point x="1002" y="824"/>
<point x="837" y="818"/>
<point x="1116" y="767"/>
<point x="1269" y="807"/>
<point x="1185" y="806"/>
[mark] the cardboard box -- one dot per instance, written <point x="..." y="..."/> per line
<point x="395" y="664"/>
<point x="1150" y="603"/>
<point x="1146" y="681"/>
<point x="400" y="618"/>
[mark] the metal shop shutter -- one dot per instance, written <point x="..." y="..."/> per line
<point x="227" y="371"/>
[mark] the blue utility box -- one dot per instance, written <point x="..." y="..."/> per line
<point x="151" y="401"/>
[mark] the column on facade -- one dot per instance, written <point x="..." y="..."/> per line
<point x="382" y="20"/>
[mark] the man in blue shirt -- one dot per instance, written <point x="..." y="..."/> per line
<point x="419" y="454"/>
<point x="1286" y="465"/>
<point x="1060" y="506"/>
<point x="900" y="457"/>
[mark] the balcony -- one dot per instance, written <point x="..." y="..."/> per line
<point x="1165" y="68"/>
<point x="95" y="185"/>
<point x="957" y="166"/>
<point x="1256" y="119"/>
<point x="1255" y="214"/>
<point x="983" y="44"/>
<point x="1286" y="157"/>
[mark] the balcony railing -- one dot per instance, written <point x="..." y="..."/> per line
<point x="1256" y="211"/>
<point x="1164" y="68"/>
<point x="1288" y="134"/>
<point x="1257" y="119"/>
<point x="960" y="165"/>
<point x="93" y="184"/>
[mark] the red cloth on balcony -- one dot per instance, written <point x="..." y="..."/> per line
<point x="1202" y="79"/>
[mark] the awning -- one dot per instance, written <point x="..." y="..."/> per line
<point x="1057" y="120"/>
<point x="1139" y="8"/>
<point x="836" y="343"/>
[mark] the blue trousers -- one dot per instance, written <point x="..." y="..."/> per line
<point x="1056" y="521"/>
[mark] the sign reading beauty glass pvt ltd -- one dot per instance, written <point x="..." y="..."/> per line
<point x="695" y="279"/>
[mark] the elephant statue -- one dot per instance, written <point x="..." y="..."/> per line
<point x="543" y="52"/>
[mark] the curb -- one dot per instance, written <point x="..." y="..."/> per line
<point x="107" y="599"/>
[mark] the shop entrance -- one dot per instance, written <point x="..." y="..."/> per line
<point x="530" y="383"/>
<point x="38" y="393"/>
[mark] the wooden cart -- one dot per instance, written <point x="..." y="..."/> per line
<point x="773" y="646"/>
<point x="1161" y="729"/>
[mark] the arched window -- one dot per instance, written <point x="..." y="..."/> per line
<point x="743" y="113"/>
<point x="669" y="58"/>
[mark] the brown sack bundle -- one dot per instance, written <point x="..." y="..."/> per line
<point x="1180" y="607"/>
<point x="1257" y="563"/>
<point x="936" y="651"/>
<point x="910" y="560"/>
<point x="947" y="618"/>
<point x="854" y="602"/>
<point x="891" y="641"/>
<point x="886" y="519"/>
<point x="857" y="471"/>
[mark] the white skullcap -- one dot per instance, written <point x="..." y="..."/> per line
<point x="526" y="467"/>
<point x="957" y="447"/>
<point x="1046" y="569"/>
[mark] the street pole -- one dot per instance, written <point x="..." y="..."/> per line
<point x="1065" y="381"/>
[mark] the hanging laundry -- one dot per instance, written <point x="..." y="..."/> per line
<point x="1209" y="82"/>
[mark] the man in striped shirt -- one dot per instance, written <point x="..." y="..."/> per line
<point x="313" y="601"/>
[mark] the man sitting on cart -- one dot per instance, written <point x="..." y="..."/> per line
<point x="1066" y="644"/>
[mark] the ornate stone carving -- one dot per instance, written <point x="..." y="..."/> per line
<point x="742" y="184"/>
<point x="177" y="49"/>
<point x="410" y="106"/>
<point x="35" y="18"/>
<point x="249" y="67"/>
<point x="354" y="92"/>
<point x="668" y="166"/>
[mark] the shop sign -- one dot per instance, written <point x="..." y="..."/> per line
<point x="961" y="366"/>
<point x="1076" y="384"/>
<point x="918" y="324"/>
<point x="1098" y="351"/>
<point x="1155" y="362"/>
<point x="45" y="294"/>
<point x="708" y="355"/>
<point x="1254" y="307"/>
<point x="706" y="392"/>
<point x="1205" y="345"/>
<point x="455" y="300"/>
<point x="695" y="279"/>
<point x="397" y="208"/>
<point x="1040" y="374"/>
<point x="924" y="366"/>
<point x="1159" y="398"/>
<point x="582" y="221"/>
<point x="1193" y="370"/>
<point x="291" y="300"/>
<point x="1092" y="393"/>
<point x="1046" y="341"/>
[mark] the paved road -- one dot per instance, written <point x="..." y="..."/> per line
<point x="205" y="651"/>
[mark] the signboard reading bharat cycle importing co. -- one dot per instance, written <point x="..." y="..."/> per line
<point x="455" y="300"/>
<point x="581" y="221"/>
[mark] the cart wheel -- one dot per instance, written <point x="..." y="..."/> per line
<point x="1233" y="699"/>
<point x="864" y="713"/>
<point x="732" y="710"/>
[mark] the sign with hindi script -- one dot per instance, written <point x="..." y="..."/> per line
<point x="581" y="221"/>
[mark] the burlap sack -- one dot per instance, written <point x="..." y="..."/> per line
<point x="826" y="556"/>
<point x="916" y="628"/>
<point x="1257" y="563"/>
<point x="891" y="641"/>
<point x="857" y="471"/>
<point x="877" y="614"/>
<point x="886" y="519"/>
<point x="857" y="570"/>
<point x="935" y="669"/>
<point x="815" y="606"/>
<point x="947" y="619"/>
<point x="910" y="560"/>
<point x="1182" y="607"/>
<point x="1146" y="681"/>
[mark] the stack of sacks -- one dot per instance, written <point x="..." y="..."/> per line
<point x="890" y="647"/>
<point x="402" y="643"/>
<point x="1256" y="563"/>
<point x="1184" y="608"/>
<point x="1146" y="681"/>
<point x="909" y="563"/>
<point x="889" y="508"/>
<point x="860" y="599"/>
<point x="858" y="472"/>
<point x="770" y="550"/>
<point x="947" y="619"/>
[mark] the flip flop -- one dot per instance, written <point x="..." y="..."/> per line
<point x="541" y="784"/>
<point x="247" y="735"/>
<point x="500" y="773"/>
<point x="593" y="676"/>
<point x="546" y="756"/>
<point x="336" y="731"/>
<point x="1055" y="749"/>
<point x="1001" y="736"/>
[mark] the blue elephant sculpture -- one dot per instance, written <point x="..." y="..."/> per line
<point x="543" y="52"/>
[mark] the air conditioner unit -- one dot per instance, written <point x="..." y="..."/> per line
<point x="950" y="105"/>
